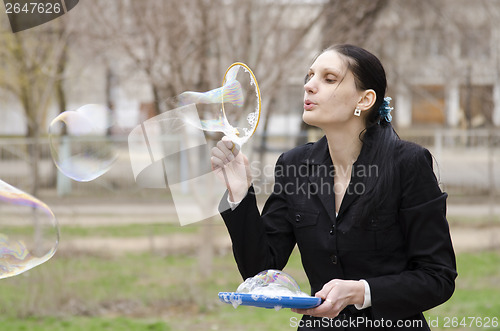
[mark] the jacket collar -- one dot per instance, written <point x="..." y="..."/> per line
<point x="319" y="155"/>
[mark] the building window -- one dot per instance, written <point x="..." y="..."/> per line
<point x="476" y="105"/>
<point x="428" y="105"/>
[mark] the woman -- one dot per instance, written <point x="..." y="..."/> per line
<point x="363" y="206"/>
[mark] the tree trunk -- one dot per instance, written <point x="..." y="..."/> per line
<point x="34" y="157"/>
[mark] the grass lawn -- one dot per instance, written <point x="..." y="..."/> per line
<point x="475" y="304"/>
<point x="82" y="324"/>
<point x="68" y="232"/>
<point x="150" y="292"/>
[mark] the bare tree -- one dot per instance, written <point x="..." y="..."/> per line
<point x="32" y="62"/>
<point x="187" y="45"/>
<point x="351" y="21"/>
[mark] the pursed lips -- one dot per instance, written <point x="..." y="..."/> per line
<point x="309" y="105"/>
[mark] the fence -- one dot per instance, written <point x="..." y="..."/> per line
<point x="468" y="163"/>
<point x="15" y="168"/>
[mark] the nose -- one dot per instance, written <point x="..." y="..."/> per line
<point x="310" y="86"/>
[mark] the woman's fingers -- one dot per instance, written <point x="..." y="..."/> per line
<point x="235" y="168"/>
<point x="336" y="295"/>
<point x="223" y="151"/>
<point x="231" y="146"/>
<point x="326" y="309"/>
<point x="216" y="162"/>
<point x="219" y="154"/>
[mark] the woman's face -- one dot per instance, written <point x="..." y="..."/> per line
<point x="330" y="92"/>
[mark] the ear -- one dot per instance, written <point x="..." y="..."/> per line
<point x="367" y="100"/>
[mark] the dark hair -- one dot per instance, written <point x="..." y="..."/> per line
<point x="379" y="138"/>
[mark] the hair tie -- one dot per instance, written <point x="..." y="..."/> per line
<point x="385" y="111"/>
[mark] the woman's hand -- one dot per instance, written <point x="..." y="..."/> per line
<point x="337" y="294"/>
<point x="232" y="167"/>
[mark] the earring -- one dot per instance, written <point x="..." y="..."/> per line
<point x="357" y="112"/>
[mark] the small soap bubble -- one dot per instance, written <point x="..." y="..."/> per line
<point x="81" y="146"/>
<point x="236" y="300"/>
<point x="29" y="233"/>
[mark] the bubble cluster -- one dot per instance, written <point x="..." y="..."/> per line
<point x="29" y="233"/>
<point x="271" y="283"/>
<point x="252" y="118"/>
<point x="80" y="142"/>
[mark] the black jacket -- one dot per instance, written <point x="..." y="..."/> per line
<point x="404" y="252"/>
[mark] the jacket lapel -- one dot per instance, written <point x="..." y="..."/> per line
<point x="356" y="186"/>
<point x="351" y="194"/>
<point x="321" y="177"/>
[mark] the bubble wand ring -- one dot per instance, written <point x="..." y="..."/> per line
<point x="257" y="111"/>
<point x="254" y="80"/>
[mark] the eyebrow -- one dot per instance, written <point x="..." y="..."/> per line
<point x="329" y="70"/>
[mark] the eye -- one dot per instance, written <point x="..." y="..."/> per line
<point x="330" y="79"/>
<point x="307" y="78"/>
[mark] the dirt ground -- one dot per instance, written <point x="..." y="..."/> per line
<point x="466" y="238"/>
<point x="470" y="239"/>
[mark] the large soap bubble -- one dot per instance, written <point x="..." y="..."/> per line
<point x="233" y="109"/>
<point x="80" y="143"/>
<point x="29" y="234"/>
<point x="172" y="150"/>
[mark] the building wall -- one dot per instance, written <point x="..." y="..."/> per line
<point x="441" y="57"/>
<point x="442" y="61"/>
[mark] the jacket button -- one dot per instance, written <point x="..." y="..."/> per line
<point x="297" y="217"/>
<point x="332" y="231"/>
<point x="333" y="258"/>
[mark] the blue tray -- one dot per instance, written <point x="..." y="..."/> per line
<point x="264" y="301"/>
